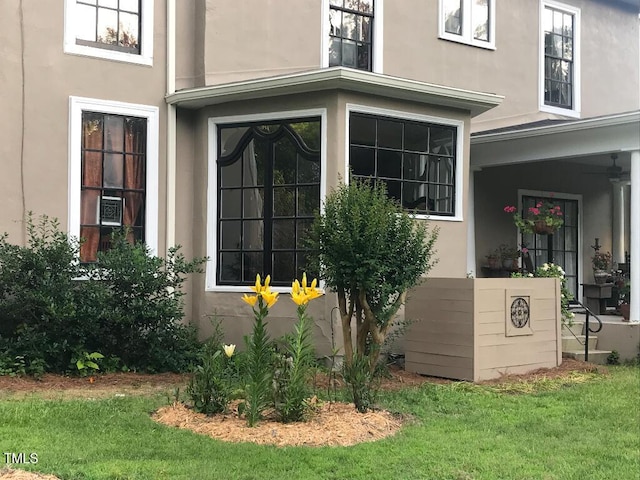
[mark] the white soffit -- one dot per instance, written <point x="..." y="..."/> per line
<point x="333" y="79"/>
<point x="575" y="138"/>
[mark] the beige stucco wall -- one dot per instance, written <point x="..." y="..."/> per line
<point x="50" y="78"/>
<point x="462" y="327"/>
<point x="193" y="215"/>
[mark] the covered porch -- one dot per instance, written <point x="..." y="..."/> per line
<point x="591" y="167"/>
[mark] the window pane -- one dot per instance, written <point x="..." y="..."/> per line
<point x="253" y="235"/>
<point x="414" y="196"/>
<point x="130" y="5"/>
<point x="335" y="52"/>
<point x="229" y="138"/>
<point x="302" y="232"/>
<point x="253" y="264"/>
<point x="113" y="170"/>
<point x="308" y="200"/>
<point x="349" y="53"/>
<point x="89" y="207"/>
<point x="113" y="133"/>
<point x="89" y="248"/>
<point x="134" y="209"/>
<point x="308" y="170"/>
<point x="253" y="203"/>
<point x="389" y="134"/>
<point x="92" y="169"/>
<point x="480" y="16"/>
<point x="453" y="16"/>
<point x="364" y="30"/>
<point x="107" y="26"/>
<point x="86" y="23"/>
<point x="349" y="24"/>
<point x="414" y="166"/>
<point x="416" y="137"/>
<point x="441" y="140"/>
<point x="253" y="163"/>
<point x="284" y="162"/>
<point x="134" y="174"/>
<point x="230" y="175"/>
<point x="363" y="161"/>
<point x="284" y="234"/>
<point x="284" y="202"/>
<point x="230" y="203"/>
<point x="92" y="131"/>
<point x="284" y="267"/>
<point x="230" y="266"/>
<point x="129" y="35"/>
<point x="362" y="130"/>
<point x="230" y="234"/>
<point x="389" y="164"/>
<point x="135" y="140"/>
<point x="108" y="3"/>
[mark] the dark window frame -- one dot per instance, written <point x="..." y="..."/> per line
<point x="363" y="46"/>
<point x="255" y="131"/>
<point x="135" y="49"/>
<point x="554" y="84"/>
<point x="431" y="160"/>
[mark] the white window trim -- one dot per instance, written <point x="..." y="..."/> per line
<point x="459" y="124"/>
<point x="376" y="47"/>
<point x="146" y="37"/>
<point x="77" y="105"/>
<point x="212" y="182"/>
<point x="575" y="111"/>
<point x="467" y="35"/>
<point x="560" y="196"/>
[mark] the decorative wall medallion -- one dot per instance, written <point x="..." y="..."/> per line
<point x="520" y="312"/>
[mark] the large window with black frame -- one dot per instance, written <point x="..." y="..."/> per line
<point x="113" y="184"/>
<point x="351" y="33"/>
<point x="110" y="24"/>
<point x="416" y="160"/>
<point x="268" y="193"/>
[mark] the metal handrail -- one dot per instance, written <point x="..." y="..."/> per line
<point x="588" y="329"/>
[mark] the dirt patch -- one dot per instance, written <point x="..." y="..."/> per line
<point x="11" y="474"/>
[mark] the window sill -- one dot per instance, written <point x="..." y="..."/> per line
<point x="239" y="289"/>
<point x="437" y="218"/>
<point x="560" y="111"/>
<point x="467" y="41"/>
<point x="105" y="54"/>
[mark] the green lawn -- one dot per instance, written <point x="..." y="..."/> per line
<point x="588" y="430"/>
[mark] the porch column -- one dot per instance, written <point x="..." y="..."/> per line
<point x="634" y="314"/>
<point x="471" y="224"/>
<point x="618" y="222"/>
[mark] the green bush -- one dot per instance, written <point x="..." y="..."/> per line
<point x="127" y="306"/>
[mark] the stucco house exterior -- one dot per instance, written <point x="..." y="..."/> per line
<point x="221" y="126"/>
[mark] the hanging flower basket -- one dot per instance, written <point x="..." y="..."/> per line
<point x="543" y="219"/>
<point x="542" y="228"/>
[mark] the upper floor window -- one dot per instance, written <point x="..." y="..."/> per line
<point x="468" y="21"/>
<point x="559" y="56"/>
<point x="351" y="33"/>
<point x="112" y="29"/>
<point x="416" y="160"/>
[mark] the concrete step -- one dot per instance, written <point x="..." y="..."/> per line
<point x="576" y="328"/>
<point x="595" y="356"/>
<point x="571" y="343"/>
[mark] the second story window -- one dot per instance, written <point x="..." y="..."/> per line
<point x="112" y="24"/>
<point x="558" y="57"/>
<point x="351" y="34"/>
<point x="468" y="21"/>
<point x="120" y="30"/>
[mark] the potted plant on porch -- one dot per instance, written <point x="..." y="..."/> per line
<point x="624" y="294"/>
<point x="601" y="262"/>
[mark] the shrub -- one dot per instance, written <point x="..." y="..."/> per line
<point x="127" y="306"/>
<point x="370" y="251"/>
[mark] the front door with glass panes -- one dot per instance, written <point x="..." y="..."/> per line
<point x="562" y="247"/>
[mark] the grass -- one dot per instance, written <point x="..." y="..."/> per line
<point x="585" y="427"/>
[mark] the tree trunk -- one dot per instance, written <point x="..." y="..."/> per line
<point x="345" y="316"/>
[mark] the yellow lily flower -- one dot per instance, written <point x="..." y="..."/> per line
<point x="250" y="299"/>
<point x="295" y="287"/>
<point x="299" y="298"/>
<point x="270" y="298"/>
<point x="258" y="286"/>
<point x="229" y="349"/>
<point x="304" y="282"/>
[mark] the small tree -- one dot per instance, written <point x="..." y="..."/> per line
<point x="371" y="252"/>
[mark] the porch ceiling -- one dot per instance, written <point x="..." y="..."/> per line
<point x="590" y="140"/>
<point x="333" y="79"/>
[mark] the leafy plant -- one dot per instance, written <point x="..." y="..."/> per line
<point x="208" y="388"/>
<point x="601" y="261"/>
<point x="371" y="252"/>
<point x="613" y="358"/>
<point x="87" y="362"/>
<point x="362" y="381"/>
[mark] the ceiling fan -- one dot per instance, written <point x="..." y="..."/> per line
<point x="614" y="172"/>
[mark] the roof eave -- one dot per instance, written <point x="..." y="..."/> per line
<point x="333" y="79"/>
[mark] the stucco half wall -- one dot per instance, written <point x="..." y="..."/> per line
<point x="479" y="329"/>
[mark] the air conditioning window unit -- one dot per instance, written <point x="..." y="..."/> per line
<point x="111" y="211"/>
